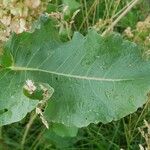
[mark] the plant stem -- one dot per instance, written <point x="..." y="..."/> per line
<point x="124" y="8"/>
<point x="37" y="140"/>
<point x="0" y="132"/>
<point x="28" y="126"/>
<point x="87" y="14"/>
<point x="110" y="28"/>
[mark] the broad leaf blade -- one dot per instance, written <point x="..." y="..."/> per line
<point x="95" y="78"/>
<point x="13" y="104"/>
<point x="99" y="80"/>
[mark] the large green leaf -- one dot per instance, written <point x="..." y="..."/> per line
<point x="95" y="78"/>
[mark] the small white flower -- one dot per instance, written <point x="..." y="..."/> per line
<point x="29" y="86"/>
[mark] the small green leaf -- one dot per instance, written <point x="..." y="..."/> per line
<point x="73" y="4"/>
<point x="51" y="8"/>
<point x="37" y="91"/>
<point x="58" y="141"/>
<point x="70" y="7"/>
<point x="64" y="131"/>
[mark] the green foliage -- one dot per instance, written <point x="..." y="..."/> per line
<point x="14" y="104"/>
<point x="26" y="84"/>
<point x="64" y="131"/>
<point x="95" y="79"/>
<point x="73" y="5"/>
<point x="60" y="142"/>
<point x="38" y="91"/>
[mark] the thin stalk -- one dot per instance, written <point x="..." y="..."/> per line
<point x="115" y="9"/>
<point x="90" y="10"/>
<point x="37" y="140"/>
<point x="123" y="9"/>
<point x="106" y="14"/>
<point x="110" y="28"/>
<point x="94" y="14"/>
<point x="0" y="132"/>
<point x="28" y="126"/>
<point x="139" y="118"/>
<point x="86" y="13"/>
<point x="126" y="134"/>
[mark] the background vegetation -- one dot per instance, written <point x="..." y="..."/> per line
<point x="129" y="133"/>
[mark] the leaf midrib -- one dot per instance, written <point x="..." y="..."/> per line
<point x="15" y="68"/>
